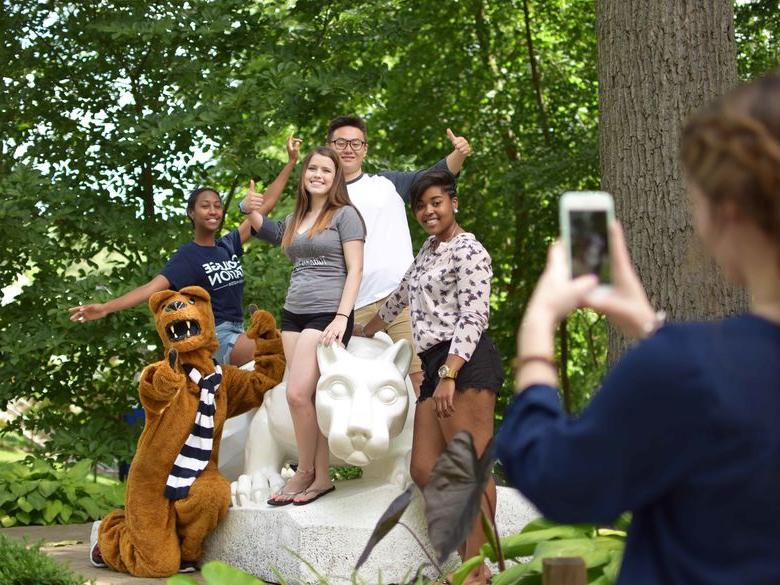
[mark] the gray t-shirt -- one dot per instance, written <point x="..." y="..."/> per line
<point x="319" y="270"/>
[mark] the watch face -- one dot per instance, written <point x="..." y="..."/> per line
<point x="443" y="371"/>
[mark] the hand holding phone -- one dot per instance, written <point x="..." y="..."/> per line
<point x="585" y="219"/>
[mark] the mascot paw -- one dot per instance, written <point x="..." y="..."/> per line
<point x="262" y="325"/>
<point x="252" y="491"/>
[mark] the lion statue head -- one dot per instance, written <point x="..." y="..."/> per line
<point x="362" y="398"/>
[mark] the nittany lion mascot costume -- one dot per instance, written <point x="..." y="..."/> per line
<point x="175" y="493"/>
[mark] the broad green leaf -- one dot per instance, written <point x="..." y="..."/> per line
<point x="7" y="521"/>
<point x="572" y="547"/>
<point x="512" y="574"/>
<point x="91" y="507"/>
<point x="47" y="487"/>
<point x="36" y="500"/>
<point x="53" y="507"/>
<point x="218" y="573"/>
<point x="524" y="544"/>
<point x="66" y="513"/>
<point x="24" y="504"/>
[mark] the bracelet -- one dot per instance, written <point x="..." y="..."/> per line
<point x="342" y="315"/>
<point x="520" y="361"/>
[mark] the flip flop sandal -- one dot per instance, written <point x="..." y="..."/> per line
<point x="319" y="494"/>
<point x="282" y="493"/>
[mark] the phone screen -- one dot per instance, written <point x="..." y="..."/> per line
<point x="590" y="244"/>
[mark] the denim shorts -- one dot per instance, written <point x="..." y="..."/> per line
<point x="227" y="334"/>
<point x="482" y="372"/>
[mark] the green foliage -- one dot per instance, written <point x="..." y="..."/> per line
<point x="218" y="573"/>
<point x="21" y="564"/>
<point x="37" y="493"/>
<point x="601" y="549"/>
<point x="112" y="111"/>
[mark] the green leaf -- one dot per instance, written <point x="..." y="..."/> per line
<point x="80" y="470"/>
<point x="47" y="487"/>
<point x="53" y="507"/>
<point x="66" y="513"/>
<point x="463" y="571"/>
<point x="524" y="544"/>
<point x="512" y="575"/>
<point x="572" y="547"/>
<point x="218" y="573"/>
<point x="181" y="580"/>
<point x="91" y="507"/>
<point x="7" y="521"/>
<point x="24" y="504"/>
<point x="36" y="500"/>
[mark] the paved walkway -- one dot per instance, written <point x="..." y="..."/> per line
<point x="69" y="544"/>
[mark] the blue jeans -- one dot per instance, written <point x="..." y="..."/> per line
<point x="227" y="334"/>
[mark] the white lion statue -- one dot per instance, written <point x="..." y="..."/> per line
<point x="365" y="407"/>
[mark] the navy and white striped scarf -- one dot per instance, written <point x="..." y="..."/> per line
<point x="196" y="452"/>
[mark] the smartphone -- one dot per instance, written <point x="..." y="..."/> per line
<point x="585" y="220"/>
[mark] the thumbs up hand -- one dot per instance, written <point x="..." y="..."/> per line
<point x="459" y="143"/>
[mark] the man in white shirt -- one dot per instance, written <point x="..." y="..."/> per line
<point x="381" y="201"/>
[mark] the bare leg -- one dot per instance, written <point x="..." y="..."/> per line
<point x="300" y="352"/>
<point x="427" y="442"/>
<point x="474" y="411"/>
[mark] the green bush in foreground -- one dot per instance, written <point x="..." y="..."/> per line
<point x="38" y="493"/>
<point x="25" y="564"/>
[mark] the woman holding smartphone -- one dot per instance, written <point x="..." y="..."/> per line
<point x="323" y="238"/>
<point x="208" y="261"/>
<point x="448" y="291"/>
<point x="683" y="432"/>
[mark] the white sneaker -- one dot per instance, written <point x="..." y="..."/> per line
<point x="94" y="551"/>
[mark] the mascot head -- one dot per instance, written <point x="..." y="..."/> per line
<point x="184" y="319"/>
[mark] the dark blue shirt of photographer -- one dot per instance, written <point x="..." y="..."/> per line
<point x="214" y="268"/>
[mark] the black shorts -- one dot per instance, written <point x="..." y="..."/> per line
<point x="483" y="371"/>
<point x="299" y="321"/>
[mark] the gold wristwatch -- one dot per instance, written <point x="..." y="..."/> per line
<point x="447" y="372"/>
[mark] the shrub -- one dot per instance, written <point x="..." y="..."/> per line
<point x="37" y="493"/>
<point x="23" y="564"/>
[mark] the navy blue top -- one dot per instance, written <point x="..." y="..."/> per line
<point x="214" y="268"/>
<point x="685" y="433"/>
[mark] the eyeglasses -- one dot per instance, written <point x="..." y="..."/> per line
<point x="341" y="143"/>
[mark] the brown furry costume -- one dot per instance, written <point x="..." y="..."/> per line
<point x="153" y="535"/>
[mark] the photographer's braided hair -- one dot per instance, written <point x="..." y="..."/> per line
<point x="731" y="151"/>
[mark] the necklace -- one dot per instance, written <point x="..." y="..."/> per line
<point x="453" y="233"/>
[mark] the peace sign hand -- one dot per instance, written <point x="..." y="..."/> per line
<point x="459" y="143"/>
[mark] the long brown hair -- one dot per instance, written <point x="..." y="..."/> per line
<point x="731" y="152"/>
<point x="337" y="197"/>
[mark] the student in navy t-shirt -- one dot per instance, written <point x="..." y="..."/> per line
<point x="209" y="262"/>
<point x="684" y="430"/>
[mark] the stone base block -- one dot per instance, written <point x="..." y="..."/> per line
<point x="331" y="533"/>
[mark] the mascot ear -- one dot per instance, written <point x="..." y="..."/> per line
<point x="328" y="355"/>
<point x="159" y="298"/>
<point x="400" y="353"/>
<point x="197" y="292"/>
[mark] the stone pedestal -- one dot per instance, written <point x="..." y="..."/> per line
<point x="332" y="532"/>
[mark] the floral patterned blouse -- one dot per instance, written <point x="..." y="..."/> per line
<point x="447" y="289"/>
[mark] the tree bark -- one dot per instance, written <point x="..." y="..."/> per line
<point x="660" y="60"/>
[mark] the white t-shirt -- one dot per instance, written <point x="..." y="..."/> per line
<point x="388" y="251"/>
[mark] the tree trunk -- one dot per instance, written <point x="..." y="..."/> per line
<point x="660" y="60"/>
